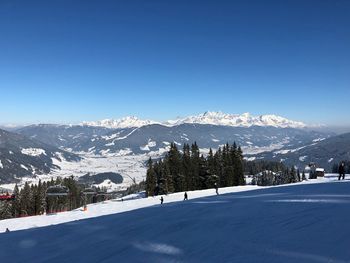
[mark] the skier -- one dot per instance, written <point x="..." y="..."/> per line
<point x="7" y="230"/>
<point x="216" y="189"/>
<point x="185" y="196"/>
<point x="161" y="200"/>
<point x="341" y="170"/>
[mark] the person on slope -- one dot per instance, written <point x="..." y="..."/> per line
<point x="161" y="200"/>
<point x="216" y="188"/>
<point x="341" y="170"/>
<point x="185" y="196"/>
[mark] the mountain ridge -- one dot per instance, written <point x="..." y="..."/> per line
<point x="213" y="118"/>
<point x="325" y="153"/>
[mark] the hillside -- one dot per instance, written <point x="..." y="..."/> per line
<point x="62" y="135"/>
<point x="24" y="157"/>
<point x="325" y="153"/>
<point x="304" y="223"/>
<point x="126" y="150"/>
<point x="156" y="137"/>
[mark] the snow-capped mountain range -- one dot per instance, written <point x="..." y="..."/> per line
<point x="126" y="122"/>
<point x="238" y="120"/>
<point x="212" y="118"/>
<point x="123" y="146"/>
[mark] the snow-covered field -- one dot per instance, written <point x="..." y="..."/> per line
<point x="252" y="150"/>
<point x="306" y="222"/>
<point x="131" y="167"/>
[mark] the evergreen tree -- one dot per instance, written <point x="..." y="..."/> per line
<point x="186" y="168"/>
<point x="26" y="200"/>
<point x="16" y="204"/>
<point x="195" y="165"/>
<point x="227" y="171"/>
<point x="303" y="176"/>
<point x="292" y="176"/>
<point x="203" y="173"/>
<point x="238" y="166"/>
<point x="335" y="168"/>
<point x="150" y="179"/>
<point x="5" y="210"/>
<point x="211" y="162"/>
<point x="169" y="178"/>
<point x="162" y="182"/>
<point x="174" y="162"/>
<point x="219" y="167"/>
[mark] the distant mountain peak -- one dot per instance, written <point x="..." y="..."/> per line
<point x="238" y="120"/>
<point x="209" y="117"/>
<point x="125" y="122"/>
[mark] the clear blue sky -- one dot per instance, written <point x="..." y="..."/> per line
<point x="69" y="61"/>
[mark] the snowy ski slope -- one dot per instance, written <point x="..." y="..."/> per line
<point x="297" y="223"/>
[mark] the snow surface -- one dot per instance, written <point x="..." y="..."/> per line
<point x="150" y="144"/>
<point x="129" y="166"/>
<point x="33" y="151"/>
<point x="297" y="223"/>
<point x="302" y="158"/>
<point x="108" y="184"/>
<point x="251" y="150"/>
<point x="319" y="140"/>
<point x="24" y="167"/>
<point x="116" y="206"/>
<point x="1" y="165"/>
<point x="293" y="150"/>
<point x="250" y="159"/>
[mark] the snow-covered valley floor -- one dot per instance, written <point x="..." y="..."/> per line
<point x="306" y="222"/>
<point x="130" y="167"/>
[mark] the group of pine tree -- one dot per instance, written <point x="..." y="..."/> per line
<point x="285" y="176"/>
<point x="188" y="170"/>
<point x="32" y="199"/>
